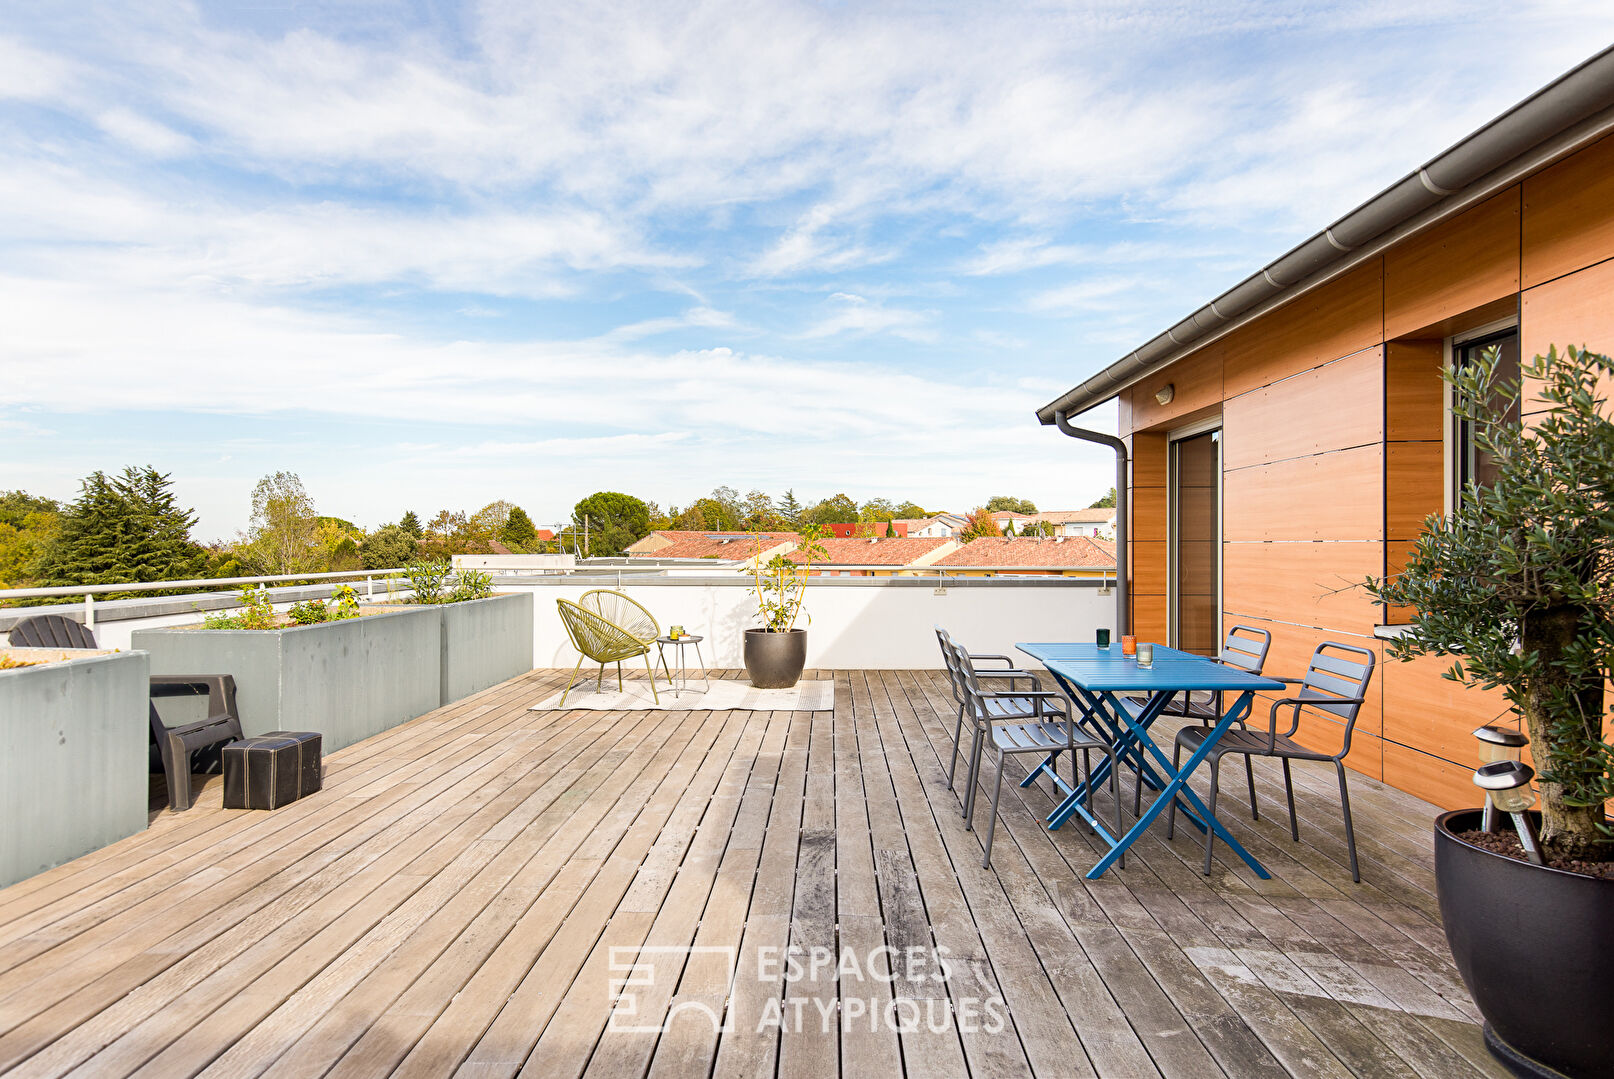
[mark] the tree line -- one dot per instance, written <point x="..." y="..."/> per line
<point x="130" y="526"/>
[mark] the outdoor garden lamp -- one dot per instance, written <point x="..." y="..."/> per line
<point x="1506" y="784"/>
<point x="1498" y="744"/>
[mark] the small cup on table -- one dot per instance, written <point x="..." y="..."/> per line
<point x="1129" y="645"/>
<point x="1104" y="640"/>
<point x="1145" y="655"/>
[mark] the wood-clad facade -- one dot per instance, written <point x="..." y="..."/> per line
<point x="1335" y="445"/>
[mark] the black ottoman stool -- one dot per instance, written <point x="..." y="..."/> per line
<point x="272" y="769"/>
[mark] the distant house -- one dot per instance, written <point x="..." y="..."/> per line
<point x="1090" y="522"/>
<point x="719" y="546"/>
<point x="547" y="535"/>
<point x="939" y="526"/>
<point x="1005" y="518"/>
<point x="895" y="557"/>
<point x="1010" y="556"/>
<point x="864" y="529"/>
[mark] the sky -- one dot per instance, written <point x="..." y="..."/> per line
<point x="428" y="255"/>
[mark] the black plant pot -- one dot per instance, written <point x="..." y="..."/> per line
<point x="775" y="660"/>
<point x="1535" y="946"/>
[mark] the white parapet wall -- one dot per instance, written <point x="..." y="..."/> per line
<point x="515" y="563"/>
<point x="856" y="623"/>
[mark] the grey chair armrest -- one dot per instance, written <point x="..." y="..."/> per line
<point x="1297" y="703"/>
<point x="1011" y="674"/>
<point x="974" y="656"/>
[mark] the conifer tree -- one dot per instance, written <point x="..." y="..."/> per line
<point x="411" y="524"/>
<point x="790" y="509"/>
<point x="518" y="532"/>
<point x="127" y="528"/>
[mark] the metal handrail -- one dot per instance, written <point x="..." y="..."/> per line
<point x="205" y="582"/>
<point x="90" y="591"/>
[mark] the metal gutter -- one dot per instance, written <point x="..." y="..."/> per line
<point x="1567" y="114"/>
<point x="1122" y="611"/>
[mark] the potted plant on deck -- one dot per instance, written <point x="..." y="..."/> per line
<point x="776" y="651"/>
<point x="1517" y="587"/>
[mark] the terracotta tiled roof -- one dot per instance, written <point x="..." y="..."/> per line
<point x="899" y="551"/>
<point x="728" y="546"/>
<point x="1066" y="517"/>
<point x="1073" y="552"/>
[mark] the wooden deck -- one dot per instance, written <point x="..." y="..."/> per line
<point x="461" y="896"/>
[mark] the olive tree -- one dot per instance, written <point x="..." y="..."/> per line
<point x="1516" y="585"/>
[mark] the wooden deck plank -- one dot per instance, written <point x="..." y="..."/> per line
<point x="455" y="898"/>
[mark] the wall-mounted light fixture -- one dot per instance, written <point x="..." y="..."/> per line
<point x="1165" y="393"/>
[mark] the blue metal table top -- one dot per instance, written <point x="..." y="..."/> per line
<point x="1099" y="670"/>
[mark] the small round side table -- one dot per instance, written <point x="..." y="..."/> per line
<point x="683" y="671"/>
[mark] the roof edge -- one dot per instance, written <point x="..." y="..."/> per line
<point x="1573" y="110"/>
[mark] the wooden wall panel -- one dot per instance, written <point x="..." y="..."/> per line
<point x="1148" y="568"/>
<point x="1148" y="523"/>
<point x="1574" y="310"/>
<point x="1414" y="486"/>
<point x="1447" y="785"/>
<point x="1459" y="265"/>
<point x="1330" y="496"/>
<point x="1414" y="393"/>
<point x="1426" y="712"/>
<point x="1147" y="452"/>
<point x="1396" y="553"/>
<point x="1335" y="406"/>
<point x="1337" y="319"/>
<point x="1569" y="214"/>
<point x="1309" y="583"/>
<point x="1197" y="384"/>
<point x="1149" y="617"/>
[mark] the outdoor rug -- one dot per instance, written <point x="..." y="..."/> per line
<point x="804" y="696"/>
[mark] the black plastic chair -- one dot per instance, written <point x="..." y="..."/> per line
<point x="1335" y="686"/>
<point x="51" y="631"/>
<point x="175" y="744"/>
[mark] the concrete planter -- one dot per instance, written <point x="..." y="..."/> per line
<point x="485" y="642"/>
<point x="348" y="680"/>
<point x="73" y="774"/>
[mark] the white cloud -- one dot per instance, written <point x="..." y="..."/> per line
<point x="142" y="133"/>
<point x="855" y="314"/>
<point x="29" y="73"/>
<point x="1085" y="295"/>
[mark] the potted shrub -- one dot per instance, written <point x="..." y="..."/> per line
<point x="1517" y="587"/>
<point x="776" y="651"/>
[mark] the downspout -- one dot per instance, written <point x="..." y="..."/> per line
<point x="1122" y="622"/>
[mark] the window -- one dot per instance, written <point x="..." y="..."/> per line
<point x="1468" y="462"/>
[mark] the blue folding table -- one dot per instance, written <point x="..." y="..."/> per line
<point x="1092" y="677"/>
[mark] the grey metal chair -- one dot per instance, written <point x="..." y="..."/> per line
<point x="51" y="631"/>
<point x="1025" y="708"/>
<point x="1245" y="648"/>
<point x="1046" y="736"/>
<point x="1335" y="687"/>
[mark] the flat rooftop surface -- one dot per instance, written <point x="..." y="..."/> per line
<point x="491" y="891"/>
